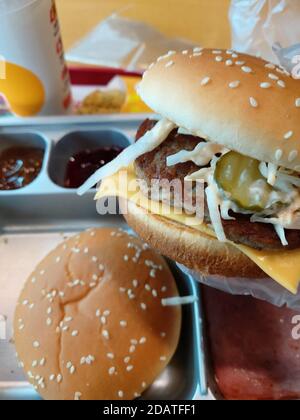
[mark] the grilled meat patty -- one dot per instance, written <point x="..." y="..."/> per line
<point x="241" y="230"/>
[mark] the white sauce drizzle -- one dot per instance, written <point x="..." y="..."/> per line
<point x="201" y="155"/>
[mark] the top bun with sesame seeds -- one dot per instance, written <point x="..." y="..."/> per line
<point x="90" y="323"/>
<point x="236" y="100"/>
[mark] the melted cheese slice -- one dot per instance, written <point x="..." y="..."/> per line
<point x="282" y="266"/>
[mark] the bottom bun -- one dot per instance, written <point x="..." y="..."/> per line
<point x="188" y="246"/>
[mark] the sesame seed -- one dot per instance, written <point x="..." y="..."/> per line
<point x="123" y="324"/>
<point x="229" y="63"/>
<point x="129" y="368"/>
<point x="270" y="66"/>
<point x="42" y="362"/>
<point x="101" y="267"/>
<point x="143" y="306"/>
<point x="127" y="360"/>
<point x="86" y="251"/>
<point x="148" y="287"/>
<point x="278" y="154"/>
<point x="265" y="85"/>
<point x="65" y="328"/>
<point x="93" y="233"/>
<point x="42" y="272"/>
<point x="58" y="259"/>
<point x="163" y="334"/>
<point x="33" y="280"/>
<point x="34" y="363"/>
<point x="59" y="379"/>
<point x="69" y="319"/>
<point x="154" y="293"/>
<point x="164" y="289"/>
<point x="197" y="49"/>
<point x="110" y="356"/>
<point x="205" y="81"/>
<point x="240" y="63"/>
<point x="229" y="52"/>
<point x="120" y="394"/>
<point x="281" y="84"/>
<point x="288" y="135"/>
<point x="297" y="102"/>
<point x="106" y="313"/>
<point x="143" y="340"/>
<point x="219" y="59"/>
<point x="69" y="365"/>
<point x="253" y="102"/>
<point x="92" y="285"/>
<point x="126" y="258"/>
<point x="51" y="378"/>
<point x="135" y="283"/>
<point x="234" y="85"/>
<point x="144" y="385"/>
<point x="217" y="52"/>
<point x="134" y="342"/>
<point x="49" y="311"/>
<point x="293" y="155"/>
<point x="273" y="76"/>
<point x="72" y="370"/>
<point x="112" y="371"/>
<point x="25" y="302"/>
<point x="103" y="320"/>
<point x="247" y="69"/>
<point x="95" y="277"/>
<point x="105" y="334"/>
<point x="136" y="395"/>
<point x="185" y="52"/>
<point x="170" y="64"/>
<point x="21" y="327"/>
<point x="94" y="259"/>
<point x="163" y="359"/>
<point x="36" y="344"/>
<point x="122" y="290"/>
<point x="77" y="396"/>
<point x="132" y="349"/>
<point x="234" y="55"/>
<point x="75" y="333"/>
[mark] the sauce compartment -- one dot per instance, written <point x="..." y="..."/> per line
<point x="75" y="144"/>
<point x="22" y="161"/>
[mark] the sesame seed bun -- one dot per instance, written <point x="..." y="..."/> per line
<point x="90" y="324"/>
<point x="236" y="100"/>
<point x="189" y="247"/>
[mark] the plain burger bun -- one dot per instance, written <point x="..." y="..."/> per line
<point x="90" y="324"/>
<point x="189" y="247"/>
<point x="236" y="100"/>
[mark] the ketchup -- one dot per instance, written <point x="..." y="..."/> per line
<point x="85" y="163"/>
<point x="19" y="166"/>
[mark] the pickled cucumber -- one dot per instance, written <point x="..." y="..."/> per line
<point x="240" y="178"/>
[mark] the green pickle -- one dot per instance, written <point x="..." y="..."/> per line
<point x="239" y="176"/>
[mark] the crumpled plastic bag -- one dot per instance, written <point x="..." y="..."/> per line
<point x="259" y="25"/>
<point x="120" y="42"/>
<point x="263" y="289"/>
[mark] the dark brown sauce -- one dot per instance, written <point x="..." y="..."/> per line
<point x="83" y="164"/>
<point x="19" y="166"/>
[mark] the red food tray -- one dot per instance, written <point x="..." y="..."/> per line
<point x="96" y="75"/>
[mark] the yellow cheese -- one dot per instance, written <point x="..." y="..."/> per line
<point x="282" y="266"/>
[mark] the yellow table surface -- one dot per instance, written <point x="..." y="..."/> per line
<point x="202" y="21"/>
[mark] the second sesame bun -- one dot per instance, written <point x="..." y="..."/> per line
<point x="90" y="323"/>
<point x="187" y="246"/>
<point x="236" y="100"/>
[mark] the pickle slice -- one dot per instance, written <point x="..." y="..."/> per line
<point x="240" y="178"/>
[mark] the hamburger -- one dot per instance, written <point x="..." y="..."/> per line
<point x="229" y="122"/>
<point x="91" y="321"/>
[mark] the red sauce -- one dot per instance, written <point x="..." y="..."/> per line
<point x="83" y="164"/>
<point x="19" y="166"/>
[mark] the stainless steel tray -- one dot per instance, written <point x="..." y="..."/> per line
<point x="35" y="219"/>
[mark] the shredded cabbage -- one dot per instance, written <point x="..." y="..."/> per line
<point x="150" y="141"/>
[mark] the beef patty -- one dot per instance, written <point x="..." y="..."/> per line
<point x="241" y="230"/>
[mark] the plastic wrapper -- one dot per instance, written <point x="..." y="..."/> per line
<point x="120" y="42"/>
<point x="263" y="289"/>
<point x="260" y="25"/>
